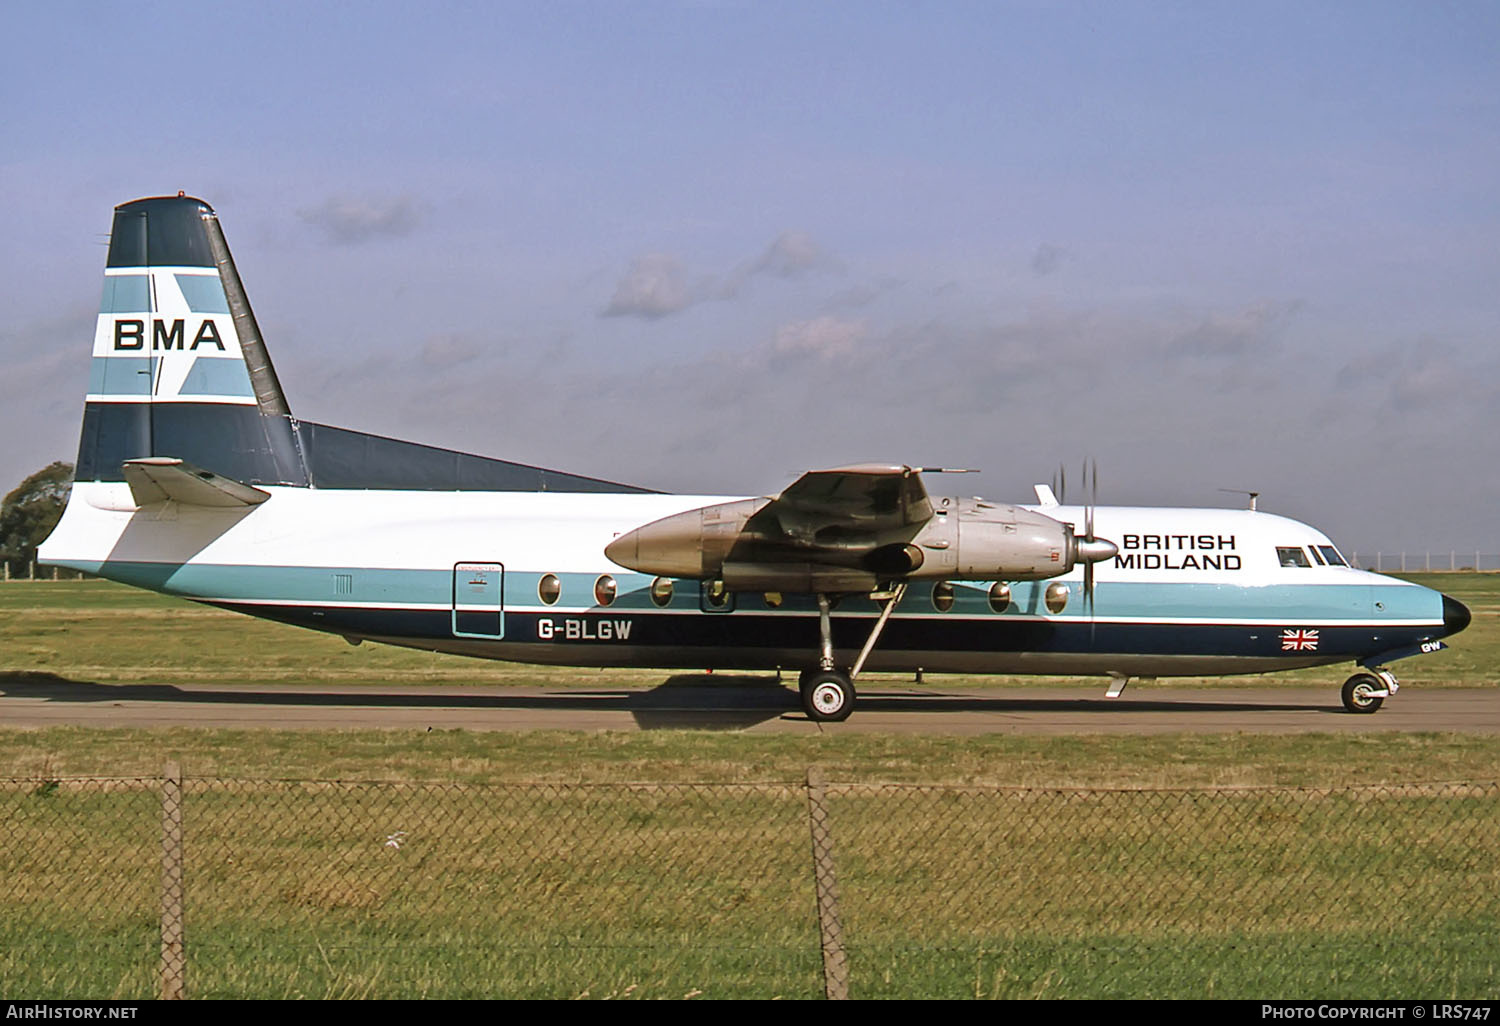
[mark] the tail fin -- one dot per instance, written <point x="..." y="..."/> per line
<point x="179" y="368"/>
<point x="181" y="378"/>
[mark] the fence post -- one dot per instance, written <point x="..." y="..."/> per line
<point x="173" y="965"/>
<point x="835" y="962"/>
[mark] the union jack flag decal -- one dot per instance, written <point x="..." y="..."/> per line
<point x="1299" y="641"/>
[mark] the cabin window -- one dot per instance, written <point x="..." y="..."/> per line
<point x="604" y="590"/>
<point x="942" y="596"/>
<point x="1000" y="597"/>
<point x="661" y="591"/>
<point x="1332" y="556"/>
<point x="548" y="589"/>
<point x="773" y="599"/>
<point x="716" y="594"/>
<point x="1292" y="555"/>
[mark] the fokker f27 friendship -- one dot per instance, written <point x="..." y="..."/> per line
<point x="195" y="479"/>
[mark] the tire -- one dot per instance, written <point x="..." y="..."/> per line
<point x="1356" y="693"/>
<point x="827" y="697"/>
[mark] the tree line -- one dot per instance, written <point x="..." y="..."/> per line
<point x="30" y="512"/>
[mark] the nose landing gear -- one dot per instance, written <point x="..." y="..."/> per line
<point x="1366" y="692"/>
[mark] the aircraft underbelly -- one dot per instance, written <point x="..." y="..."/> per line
<point x="891" y="661"/>
<point x="761" y="641"/>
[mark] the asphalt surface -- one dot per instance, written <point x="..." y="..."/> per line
<point x="734" y="703"/>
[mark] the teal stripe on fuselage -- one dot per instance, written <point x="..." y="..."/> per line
<point x="331" y="585"/>
<point x="1291" y="603"/>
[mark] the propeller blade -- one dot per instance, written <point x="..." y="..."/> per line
<point x="1088" y="600"/>
<point x="1091" y="470"/>
<point x="1091" y="549"/>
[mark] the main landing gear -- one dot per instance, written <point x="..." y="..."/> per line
<point x="1366" y="692"/>
<point x="828" y="693"/>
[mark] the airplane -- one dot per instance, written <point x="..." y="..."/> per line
<point x="195" y="479"/>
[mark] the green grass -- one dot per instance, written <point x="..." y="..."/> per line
<point x="675" y="756"/>
<point x="293" y="890"/>
<point x="670" y="891"/>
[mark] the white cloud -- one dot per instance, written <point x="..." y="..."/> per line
<point x="656" y="285"/>
<point x="448" y="350"/>
<point x="1048" y="258"/>
<point x="348" y="220"/>
<point x="791" y="255"/>
<point x="827" y="337"/>
<point x="1233" y="334"/>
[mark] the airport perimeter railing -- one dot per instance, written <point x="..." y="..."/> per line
<point x="204" y="887"/>
<point x="1425" y="561"/>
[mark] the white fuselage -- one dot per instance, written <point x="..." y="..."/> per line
<point x="1191" y="591"/>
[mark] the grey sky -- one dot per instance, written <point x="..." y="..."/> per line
<point x="704" y="246"/>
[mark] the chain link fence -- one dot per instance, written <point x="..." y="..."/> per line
<point x="130" y="888"/>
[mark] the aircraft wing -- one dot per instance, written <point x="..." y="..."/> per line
<point x="826" y="518"/>
<point x="866" y="499"/>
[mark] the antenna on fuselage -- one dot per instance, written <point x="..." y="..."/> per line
<point x="1241" y="491"/>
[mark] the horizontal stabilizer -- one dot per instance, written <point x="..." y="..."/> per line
<point x="160" y="478"/>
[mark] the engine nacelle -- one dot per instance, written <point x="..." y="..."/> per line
<point x="976" y="540"/>
<point x="965" y="539"/>
<point x="691" y="544"/>
<point x="1023" y="546"/>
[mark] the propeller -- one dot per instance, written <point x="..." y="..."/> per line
<point x="1091" y="470"/>
<point x="1087" y="548"/>
<point x="1091" y="549"/>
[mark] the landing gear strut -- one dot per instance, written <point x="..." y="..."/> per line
<point x="828" y="693"/>
<point x="1366" y="692"/>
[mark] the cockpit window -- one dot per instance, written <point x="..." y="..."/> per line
<point x="1292" y="555"/>
<point x="1331" y="555"/>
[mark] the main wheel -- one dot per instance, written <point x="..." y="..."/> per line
<point x="827" y="696"/>
<point x="1357" y="693"/>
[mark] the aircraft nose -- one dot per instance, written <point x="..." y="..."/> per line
<point x="1456" y="615"/>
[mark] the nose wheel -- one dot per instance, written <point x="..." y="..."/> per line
<point x="1366" y="692"/>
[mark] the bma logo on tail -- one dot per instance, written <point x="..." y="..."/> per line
<point x="131" y="335"/>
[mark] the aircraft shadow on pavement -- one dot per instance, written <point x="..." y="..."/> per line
<point x="714" y="701"/>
